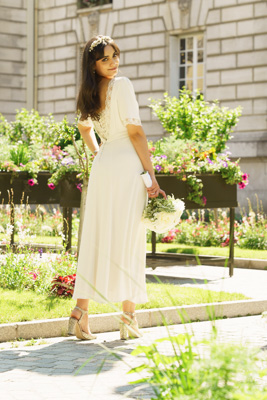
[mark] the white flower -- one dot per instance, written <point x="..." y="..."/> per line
<point x="96" y="42"/>
<point x="159" y="219"/>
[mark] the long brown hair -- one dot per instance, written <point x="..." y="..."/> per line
<point x="88" y="100"/>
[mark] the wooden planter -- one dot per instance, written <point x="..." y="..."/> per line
<point x="70" y="196"/>
<point x="21" y="192"/>
<point x="218" y="193"/>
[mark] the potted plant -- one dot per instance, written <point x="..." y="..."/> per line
<point x="196" y="144"/>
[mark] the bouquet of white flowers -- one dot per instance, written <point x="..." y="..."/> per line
<point x="161" y="215"/>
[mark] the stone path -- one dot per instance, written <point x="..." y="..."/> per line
<point x="45" y="369"/>
<point x="252" y="283"/>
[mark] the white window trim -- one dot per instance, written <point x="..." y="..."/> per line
<point x="174" y="62"/>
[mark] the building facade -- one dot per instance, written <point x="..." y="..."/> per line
<point x="218" y="46"/>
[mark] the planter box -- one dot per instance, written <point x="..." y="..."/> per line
<point x="70" y="196"/>
<point x="218" y="193"/>
<point x="23" y="192"/>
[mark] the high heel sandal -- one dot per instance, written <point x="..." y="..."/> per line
<point x="75" y="327"/>
<point x="131" y="329"/>
<point x="72" y="323"/>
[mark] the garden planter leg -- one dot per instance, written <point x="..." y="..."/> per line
<point x="12" y="223"/>
<point x="153" y="240"/>
<point x="67" y="226"/>
<point x="232" y="241"/>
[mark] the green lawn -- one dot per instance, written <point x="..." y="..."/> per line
<point x="171" y="248"/>
<point x="27" y="305"/>
<point x="209" y="251"/>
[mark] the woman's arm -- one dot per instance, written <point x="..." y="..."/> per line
<point x="139" y="141"/>
<point x="89" y="137"/>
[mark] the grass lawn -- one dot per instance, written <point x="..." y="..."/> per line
<point x="209" y="251"/>
<point x="171" y="248"/>
<point x="27" y="305"/>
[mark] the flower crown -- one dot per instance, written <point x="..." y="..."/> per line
<point x="98" y="41"/>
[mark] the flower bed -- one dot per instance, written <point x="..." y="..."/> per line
<point x="196" y="230"/>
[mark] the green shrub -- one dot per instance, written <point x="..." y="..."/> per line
<point x="189" y="117"/>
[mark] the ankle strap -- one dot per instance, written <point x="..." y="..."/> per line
<point x="128" y="313"/>
<point x="82" y="311"/>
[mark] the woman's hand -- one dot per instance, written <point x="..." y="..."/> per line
<point x="155" y="190"/>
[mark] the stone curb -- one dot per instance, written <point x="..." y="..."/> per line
<point x="214" y="261"/>
<point x="146" y="319"/>
<point x="250" y="263"/>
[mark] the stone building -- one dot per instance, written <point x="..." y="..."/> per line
<point x="218" y="46"/>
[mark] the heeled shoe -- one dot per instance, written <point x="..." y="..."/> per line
<point x="75" y="327"/>
<point x="72" y="323"/>
<point x="129" y="330"/>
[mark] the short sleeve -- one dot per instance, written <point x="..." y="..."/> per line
<point x="87" y="122"/>
<point x="127" y="103"/>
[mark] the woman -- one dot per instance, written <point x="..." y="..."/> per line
<point x="111" y="263"/>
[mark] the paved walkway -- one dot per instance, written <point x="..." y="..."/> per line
<point x="46" y="369"/>
<point x="250" y="282"/>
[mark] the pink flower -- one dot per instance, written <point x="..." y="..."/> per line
<point x="79" y="186"/>
<point x="241" y="185"/>
<point x="51" y="186"/>
<point x="245" y="177"/>
<point x="31" y="182"/>
<point x="204" y="200"/>
<point x="34" y="275"/>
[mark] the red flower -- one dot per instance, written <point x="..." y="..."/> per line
<point x="63" y="285"/>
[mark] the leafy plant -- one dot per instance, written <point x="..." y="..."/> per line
<point x="217" y="371"/>
<point x="186" y="159"/>
<point x="190" y="117"/>
<point x="63" y="285"/>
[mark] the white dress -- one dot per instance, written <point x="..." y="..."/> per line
<point x="112" y="257"/>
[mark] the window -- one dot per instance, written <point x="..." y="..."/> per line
<point x="191" y="62"/>
<point x="92" y="3"/>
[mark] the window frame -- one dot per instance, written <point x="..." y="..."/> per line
<point x="174" y="61"/>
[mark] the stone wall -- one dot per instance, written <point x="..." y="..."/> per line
<point x="12" y="56"/>
<point x="58" y="48"/>
<point x="236" y="74"/>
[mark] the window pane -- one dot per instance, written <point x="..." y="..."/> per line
<point x="182" y="44"/>
<point x="189" y="43"/>
<point x="182" y="72"/>
<point x="189" y="72"/>
<point x="200" y="84"/>
<point x="189" y="84"/>
<point x="200" y="70"/>
<point x="181" y="84"/>
<point x="200" y="56"/>
<point x="200" y="41"/>
<point x="190" y="57"/>
<point x="182" y="58"/>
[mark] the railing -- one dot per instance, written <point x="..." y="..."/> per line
<point x="92" y="3"/>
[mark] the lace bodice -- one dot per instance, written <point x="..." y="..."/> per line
<point x="102" y="124"/>
<point x="121" y="109"/>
